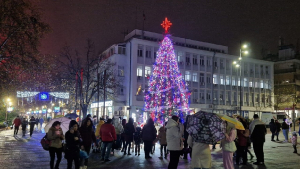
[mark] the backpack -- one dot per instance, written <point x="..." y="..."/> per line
<point x="45" y="143"/>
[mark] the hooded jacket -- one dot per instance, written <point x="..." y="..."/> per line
<point x="174" y="135"/>
<point x="162" y="137"/>
<point x="149" y="132"/>
<point x="55" y="138"/>
<point x="118" y="126"/>
<point x="129" y="130"/>
<point x="87" y="135"/>
<point x="101" y="122"/>
<point x="272" y="126"/>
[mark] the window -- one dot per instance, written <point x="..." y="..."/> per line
<point x="233" y="81"/>
<point x="121" y="91"/>
<point x="201" y="94"/>
<point x="228" y="64"/>
<point x="227" y="80"/>
<point x="187" y="76"/>
<point x="239" y="81"/>
<point x="201" y="60"/>
<point x="195" y="94"/>
<point x="148" y="52"/>
<point x="187" y="58"/>
<point x="215" y="95"/>
<point x="154" y="53"/>
<point x="140" y="51"/>
<point x="121" y="50"/>
<point x="139" y="71"/>
<point x="195" y="60"/>
<point x="256" y="83"/>
<point x="250" y="83"/>
<point x="208" y="63"/>
<point x="267" y="70"/>
<point x="245" y="82"/>
<point x="267" y="84"/>
<point x="180" y="56"/>
<point x="221" y="79"/>
<point x="234" y="96"/>
<point x="208" y="95"/>
<point x="147" y="71"/>
<point x="257" y="98"/>
<point x="195" y="79"/>
<point x="261" y="84"/>
<point x="121" y="70"/>
<point x="221" y="95"/>
<point x="208" y="79"/>
<point x="221" y="63"/>
<point x="247" y="97"/>
<point x="215" y="79"/>
<point x="201" y="77"/>
<point x="215" y="64"/>
<point x="228" y="96"/>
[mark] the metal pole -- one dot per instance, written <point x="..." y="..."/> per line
<point x="240" y="80"/>
<point x="98" y="98"/>
<point x="104" y="84"/>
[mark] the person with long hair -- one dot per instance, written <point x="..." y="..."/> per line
<point x="148" y="137"/>
<point x="242" y="143"/>
<point x="129" y="131"/>
<point x="228" y="146"/>
<point x="88" y="137"/>
<point x="73" y="140"/>
<point x="137" y="138"/>
<point x="55" y="135"/>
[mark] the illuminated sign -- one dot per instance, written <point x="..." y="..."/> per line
<point x="56" y="109"/>
<point x="44" y="96"/>
<point x="100" y="104"/>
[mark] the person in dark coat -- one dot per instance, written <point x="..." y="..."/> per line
<point x="24" y="126"/>
<point x="123" y="135"/>
<point x="137" y="138"/>
<point x="88" y="136"/>
<point x="73" y="140"/>
<point x="278" y="129"/>
<point x="272" y="129"/>
<point x="32" y="123"/>
<point x="148" y="136"/>
<point x="285" y="130"/>
<point x="129" y="131"/>
<point x="258" y="132"/>
<point x="37" y="121"/>
<point x="186" y="148"/>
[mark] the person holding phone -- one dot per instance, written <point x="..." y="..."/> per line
<point x="55" y="135"/>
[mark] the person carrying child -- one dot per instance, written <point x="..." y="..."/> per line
<point x="294" y="141"/>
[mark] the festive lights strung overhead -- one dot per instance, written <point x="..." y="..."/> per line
<point x="167" y="93"/>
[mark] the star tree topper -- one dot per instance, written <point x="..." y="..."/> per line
<point x="166" y="25"/>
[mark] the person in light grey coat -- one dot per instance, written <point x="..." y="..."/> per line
<point x="174" y="140"/>
<point x="119" y="130"/>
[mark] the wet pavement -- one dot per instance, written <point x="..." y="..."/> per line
<point x="18" y="153"/>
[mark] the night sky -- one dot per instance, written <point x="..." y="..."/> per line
<point x="216" y="21"/>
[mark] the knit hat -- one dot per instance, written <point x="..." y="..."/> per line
<point x="72" y="123"/>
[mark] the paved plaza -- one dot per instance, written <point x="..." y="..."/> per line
<point x="23" y="153"/>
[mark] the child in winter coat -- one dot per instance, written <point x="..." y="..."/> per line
<point x="162" y="137"/>
<point x="294" y="141"/>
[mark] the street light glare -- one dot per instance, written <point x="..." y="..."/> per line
<point x="246" y="52"/>
<point x="8" y="99"/>
<point x="234" y="62"/>
<point x="240" y="58"/>
<point x="237" y="65"/>
<point x="245" y="46"/>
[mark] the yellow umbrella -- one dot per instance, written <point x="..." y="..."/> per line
<point x="238" y="125"/>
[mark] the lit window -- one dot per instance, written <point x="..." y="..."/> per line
<point x="195" y="79"/>
<point x="187" y="76"/>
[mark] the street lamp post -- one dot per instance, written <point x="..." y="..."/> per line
<point x="8" y="108"/>
<point x="238" y="65"/>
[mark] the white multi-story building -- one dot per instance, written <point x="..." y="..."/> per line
<point x="206" y="68"/>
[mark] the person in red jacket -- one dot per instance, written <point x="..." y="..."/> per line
<point x="108" y="136"/>
<point x="17" y="123"/>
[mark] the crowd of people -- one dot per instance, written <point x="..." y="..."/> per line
<point x="118" y="134"/>
<point x="34" y="123"/>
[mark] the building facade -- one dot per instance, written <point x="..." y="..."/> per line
<point x="216" y="85"/>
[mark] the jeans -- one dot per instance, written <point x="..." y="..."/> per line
<point x="87" y="149"/>
<point x="106" y="146"/>
<point x="285" y="133"/>
<point x="258" y="150"/>
<point x="147" y="148"/>
<point x="174" y="159"/>
<point x="73" y="156"/>
<point x="16" y="130"/>
<point x="52" y="152"/>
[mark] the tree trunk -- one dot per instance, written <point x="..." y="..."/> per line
<point x="84" y="110"/>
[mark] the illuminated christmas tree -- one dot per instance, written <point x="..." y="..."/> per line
<point x="167" y="94"/>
